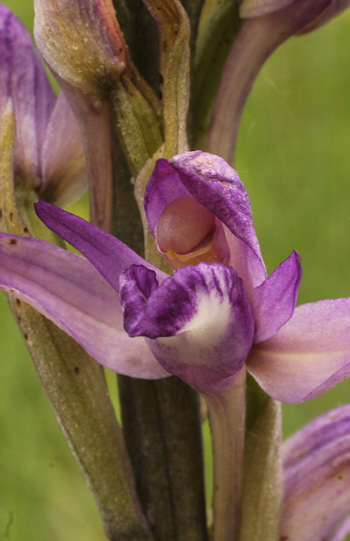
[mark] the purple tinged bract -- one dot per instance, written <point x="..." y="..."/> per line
<point x="48" y="153"/>
<point x="204" y="322"/>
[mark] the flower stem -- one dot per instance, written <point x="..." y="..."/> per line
<point x="227" y="421"/>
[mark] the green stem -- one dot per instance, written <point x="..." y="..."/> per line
<point x="227" y="422"/>
<point x="262" y="490"/>
<point x="162" y="432"/>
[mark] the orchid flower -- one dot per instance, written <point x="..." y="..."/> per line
<point x="316" y="480"/>
<point x="218" y="312"/>
<point x="49" y="153"/>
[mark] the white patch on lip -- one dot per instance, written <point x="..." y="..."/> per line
<point x="206" y="328"/>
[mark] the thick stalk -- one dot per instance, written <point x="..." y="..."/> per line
<point x="227" y="422"/>
<point x="162" y="432"/>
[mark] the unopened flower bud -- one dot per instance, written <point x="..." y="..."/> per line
<point x="81" y="41"/>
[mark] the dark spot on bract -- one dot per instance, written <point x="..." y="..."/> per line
<point x="77" y="369"/>
<point x="18" y="302"/>
<point x="12" y="242"/>
<point x="1" y="214"/>
<point x="25" y="229"/>
<point x="25" y="336"/>
<point x="11" y="216"/>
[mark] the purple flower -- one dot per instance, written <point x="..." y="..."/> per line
<point x="48" y="153"/>
<point x="316" y="478"/>
<point x="204" y="322"/>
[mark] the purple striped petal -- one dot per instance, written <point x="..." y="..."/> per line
<point x="68" y="290"/>
<point x="216" y="186"/>
<point x="64" y="169"/>
<point x="198" y="322"/>
<point x="342" y="532"/>
<point x="275" y="299"/>
<point x="23" y="79"/>
<point x="109" y="255"/>
<point x="317" y="478"/>
<point x="309" y="354"/>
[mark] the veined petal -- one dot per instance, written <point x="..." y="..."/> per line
<point x="309" y="354"/>
<point x="67" y="289"/>
<point x="109" y="255"/>
<point x="198" y="322"/>
<point x="23" y="79"/>
<point x="216" y="186"/>
<point x="64" y="168"/>
<point x="317" y="475"/>
<point x="275" y="299"/>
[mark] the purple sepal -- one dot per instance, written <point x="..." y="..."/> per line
<point x="23" y="79"/>
<point x="274" y="300"/>
<point x="317" y="478"/>
<point x="109" y="255"/>
<point x="198" y="322"/>
<point x="68" y="290"/>
<point x="309" y="355"/>
<point x="216" y="186"/>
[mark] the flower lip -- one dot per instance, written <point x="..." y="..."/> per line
<point x="197" y="323"/>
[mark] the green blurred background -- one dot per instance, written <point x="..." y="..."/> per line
<point x="293" y="156"/>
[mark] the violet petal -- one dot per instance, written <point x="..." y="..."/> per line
<point x="109" y="255"/>
<point x="23" y="79"/>
<point x="68" y="290"/>
<point x="198" y="322"/>
<point x="317" y="475"/>
<point x="216" y="186"/>
<point x="275" y="299"/>
<point x="309" y="354"/>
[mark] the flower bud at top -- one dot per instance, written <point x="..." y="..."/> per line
<point x="81" y="41"/>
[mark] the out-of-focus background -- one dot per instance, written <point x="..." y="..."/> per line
<point x="293" y="156"/>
